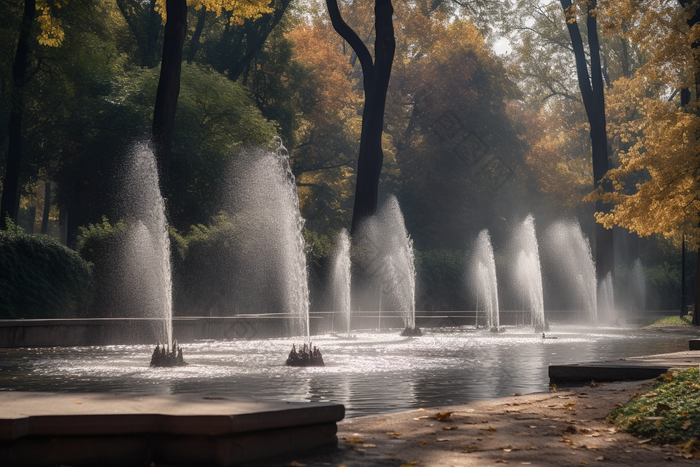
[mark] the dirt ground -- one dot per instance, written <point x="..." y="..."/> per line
<point x="563" y="428"/>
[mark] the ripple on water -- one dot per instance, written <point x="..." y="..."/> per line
<point x="374" y="372"/>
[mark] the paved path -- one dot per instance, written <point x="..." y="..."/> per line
<point x="110" y="429"/>
<point x="564" y="428"/>
<point x="624" y="369"/>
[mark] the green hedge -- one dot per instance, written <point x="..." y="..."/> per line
<point x="40" y="278"/>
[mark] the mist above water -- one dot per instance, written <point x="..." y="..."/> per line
<point x="269" y="271"/>
<point x="483" y="279"/>
<point x="385" y="252"/>
<point x="341" y="281"/>
<point x="528" y="273"/>
<point x="569" y="256"/>
<point x="145" y="258"/>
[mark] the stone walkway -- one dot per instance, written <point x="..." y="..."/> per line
<point x="624" y="369"/>
<point x="563" y="428"/>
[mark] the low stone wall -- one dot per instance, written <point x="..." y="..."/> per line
<point x="130" y="331"/>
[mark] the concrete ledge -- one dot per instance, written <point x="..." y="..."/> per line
<point x="38" y="429"/>
<point x="626" y="369"/>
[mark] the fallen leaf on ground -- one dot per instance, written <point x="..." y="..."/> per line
<point x="531" y="448"/>
<point x="449" y="428"/>
<point x="296" y="464"/>
<point x="492" y="428"/>
<point x="369" y="445"/>
<point x="442" y="440"/>
<point x="686" y="425"/>
<point x="396" y="433"/>
<point x="517" y="394"/>
<point x="507" y="450"/>
<point x="533" y="426"/>
<point x="443" y="416"/>
<point x="501" y="461"/>
<point x="380" y="422"/>
<point x="422" y="443"/>
<point x="484" y="420"/>
<point x="584" y="463"/>
<point x="355" y="439"/>
<point x="645" y="441"/>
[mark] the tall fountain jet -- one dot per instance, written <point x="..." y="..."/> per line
<point x="387" y="256"/>
<point x="638" y="286"/>
<point x="147" y="245"/>
<point x="341" y="279"/>
<point x="483" y="279"/>
<point x="606" y="300"/>
<point x="269" y="250"/>
<point x="528" y="273"/>
<point x="572" y="261"/>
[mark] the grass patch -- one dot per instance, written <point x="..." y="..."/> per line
<point x="668" y="412"/>
<point x="672" y="321"/>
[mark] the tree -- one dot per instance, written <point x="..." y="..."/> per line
<point x="655" y="188"/>
<point x="593" y="96"/>
<point x="376" y="76"/>
<point x="169" y="84"/>
<point x="51" y="34"/>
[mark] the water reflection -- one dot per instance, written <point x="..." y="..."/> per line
<point x="370" y="374"/>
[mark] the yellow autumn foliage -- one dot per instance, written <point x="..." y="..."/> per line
<point x="239" y="9"/>
<point x="656" y="184"/>
<point x="51" y="32"/>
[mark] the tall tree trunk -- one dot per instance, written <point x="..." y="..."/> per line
<point x="9" y="206"/>
<point x="692" y="20"/>
<point x="169" y="84"/>
<point x="195" y="45"/>
<point x="149" y="57"/>
<point x="256" y="32"/>
<point x="47" y="208"/>
<point x="376" y="77"/>
<point x="593" y="95"/>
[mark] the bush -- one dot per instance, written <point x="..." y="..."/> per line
<point x="40" y="278"/>
<point x="666" y="412"/>
<point x="440" y="280"/>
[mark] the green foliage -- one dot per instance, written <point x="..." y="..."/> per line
<point x="320" y="247"/>
<point x="662" y="285"/>
<point x="672" y="321"/>
<point x="97" y="240"/>
<point x="40" y="278"/>
<point x="440" y="280"/>
<point x="203" y="268"/>
<point x="668" y="413"/>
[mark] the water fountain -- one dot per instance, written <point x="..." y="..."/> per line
<point x="269" y="271"/>
<point x="606" y="300"/>
<point x="270" y="251"/>
<point x="570" y="259"/>
<point x="483" y="279"/>
<point x="528" y="274"/>
<point x="387" y="257"/>
<point x="638" y="286"/>
<point x="146" y="253"/>
<point x="341" y="278"/>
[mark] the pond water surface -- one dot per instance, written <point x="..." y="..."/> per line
<point x="370" y="373"/>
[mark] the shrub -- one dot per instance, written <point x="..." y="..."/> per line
<point x="40" y="278"/>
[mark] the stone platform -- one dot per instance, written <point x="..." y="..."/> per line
<point x="624" y="369"/>
<point x="108" y="429"/>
